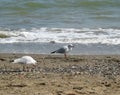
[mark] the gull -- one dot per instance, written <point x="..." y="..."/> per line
<point x="64" y="50"/>
<point x="25" y="60"/>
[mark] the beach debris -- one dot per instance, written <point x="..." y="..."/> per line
<point x="2" y="59"/>
<point x="64" y="50"/>
<point x="16" y="85"/>
<point x="70" y="92"/>
<point x="42" y="83"/>
<point x="25" y="60"/>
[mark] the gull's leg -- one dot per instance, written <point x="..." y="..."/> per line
<point x="33" y="67"/>
<point x="24" y="68"/>
<point x="65" y="55"/>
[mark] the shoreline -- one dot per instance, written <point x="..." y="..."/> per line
<point x="46" y="48"/>
<point x="55" y="75"/>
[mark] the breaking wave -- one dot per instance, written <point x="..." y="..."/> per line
<point x="61" y="35"/>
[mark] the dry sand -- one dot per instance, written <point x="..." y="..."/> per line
<point x="54" y="75"/>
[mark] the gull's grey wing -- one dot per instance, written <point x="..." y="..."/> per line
<point x="61" y="50"/>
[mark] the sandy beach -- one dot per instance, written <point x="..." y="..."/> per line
<point x="54" y="75"/>
<point x="37" y="28"/>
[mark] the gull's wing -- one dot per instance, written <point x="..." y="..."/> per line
<point x="61" y="50"/>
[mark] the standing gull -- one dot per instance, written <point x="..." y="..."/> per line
<point x="64" y="50"/>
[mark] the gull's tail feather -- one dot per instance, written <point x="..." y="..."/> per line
<point x="53" y="52"/>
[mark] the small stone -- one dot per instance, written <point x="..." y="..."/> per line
<point x="70" y="93"/>
<point x="78" y="88"/>
<point x="42" y="83"/>
<point x="2" y="59"/>
<point x="59" y="92"/>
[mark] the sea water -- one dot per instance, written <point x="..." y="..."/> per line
<point x="40" y="26"/>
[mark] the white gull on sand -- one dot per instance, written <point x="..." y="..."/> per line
<point x="25" y="60"/>
<point x="64" y="50"/>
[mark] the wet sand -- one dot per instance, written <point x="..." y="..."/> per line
<point x="55" y="75"/>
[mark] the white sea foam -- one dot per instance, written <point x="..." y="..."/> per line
<point x="62" y="35"/>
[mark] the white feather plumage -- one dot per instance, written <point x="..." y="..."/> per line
<point x="25" y="60"/>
